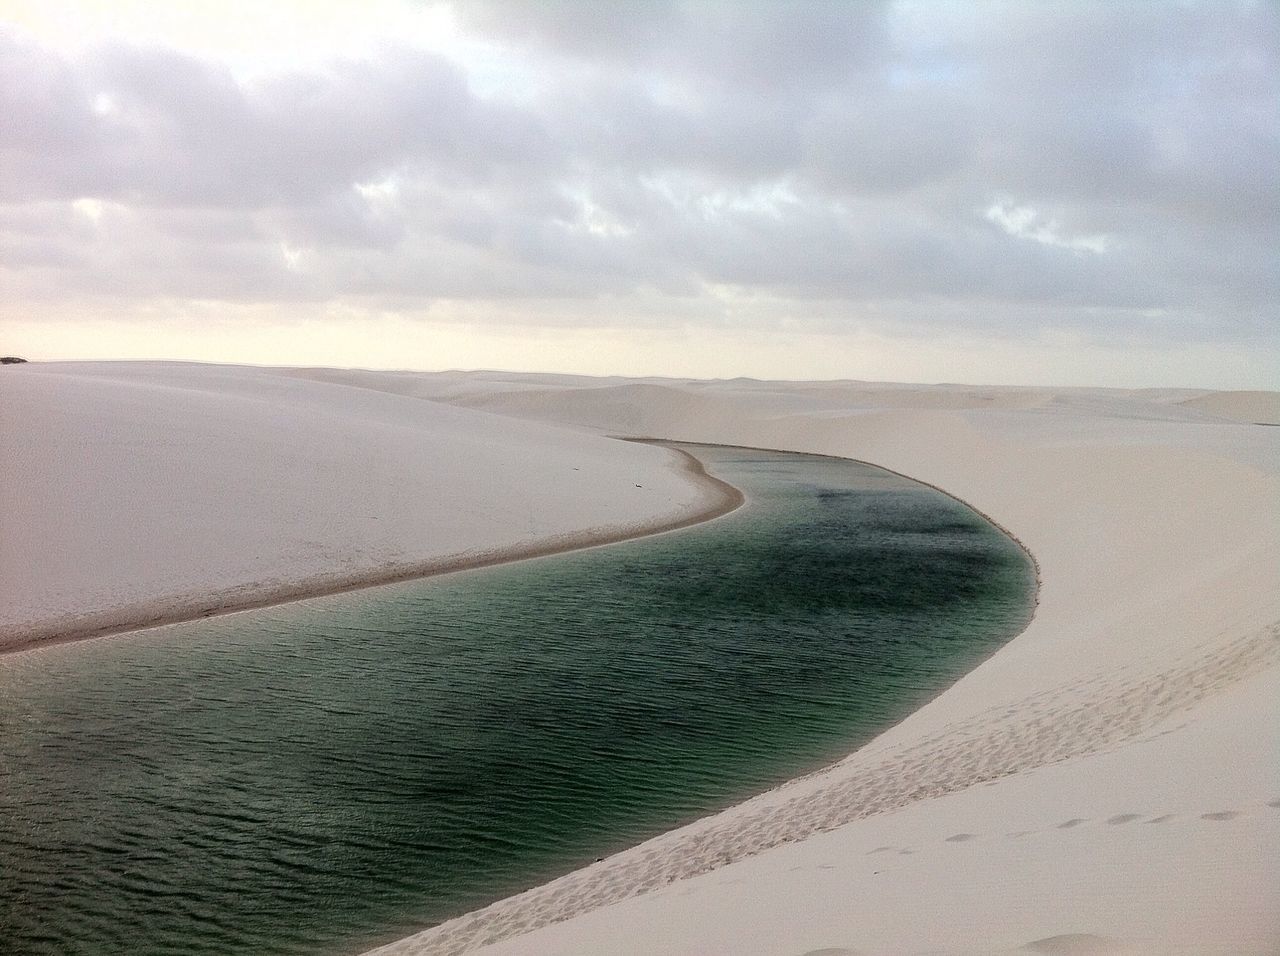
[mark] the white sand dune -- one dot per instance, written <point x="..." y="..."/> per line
<point x="139" y="493"/>
<point x="1261" y="408"/>
<point x="1108" y="782"/>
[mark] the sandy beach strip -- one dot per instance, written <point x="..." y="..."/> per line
<point x="691" y="496"/>
<point x="719" y="498"/>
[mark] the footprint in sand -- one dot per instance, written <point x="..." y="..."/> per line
<point x="1124" y="818"/>
<point x="961" y="837"/>
<point x="1072" y="823"/>
<point x="1220" y="815"/>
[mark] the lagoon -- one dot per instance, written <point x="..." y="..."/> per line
<point x="325" y="775"/>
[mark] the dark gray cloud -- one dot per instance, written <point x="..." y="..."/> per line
<point x="1026" y="164"/>
<point x="765" y="49"/>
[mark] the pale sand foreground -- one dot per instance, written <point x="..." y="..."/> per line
<point x="134" y="494"/>
<point x="1108" y="782"/>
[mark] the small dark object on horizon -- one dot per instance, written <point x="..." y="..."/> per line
<point x="11" y="360"/>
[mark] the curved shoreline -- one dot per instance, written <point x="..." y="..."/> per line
<point x="720" y="499"/>
<point x="705" y="844"/>
<point x="1035" y="563"/>
<point x="839" y="795"/>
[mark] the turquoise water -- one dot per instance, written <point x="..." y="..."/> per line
<point x="330" y="774"/>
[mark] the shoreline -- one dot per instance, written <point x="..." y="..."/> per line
<point x="1035" y="563"/>
<point x="1156" y="641"/>
<point x="721" y="499"/>
<point x="473" y="921"/>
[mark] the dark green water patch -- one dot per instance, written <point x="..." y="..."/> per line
<point x="326" y="775"/>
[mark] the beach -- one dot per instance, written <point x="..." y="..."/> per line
<point x="144" y="494"/>
<point x="1106" y="782"/>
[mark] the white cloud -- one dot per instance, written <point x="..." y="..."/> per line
<point x="807" y="165"/>
<point x="292" y="256"/>
<point x="91" y="209"/>
<point x="1025" y="222"/>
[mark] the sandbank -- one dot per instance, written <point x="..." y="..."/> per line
<point x="114" y="519"/>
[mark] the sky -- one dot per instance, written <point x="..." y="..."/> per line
<point x="921" y="190"/>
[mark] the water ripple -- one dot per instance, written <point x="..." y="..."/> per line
<point x="321" y="776"/>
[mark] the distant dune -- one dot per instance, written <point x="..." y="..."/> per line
<point x="1261" y="408"/>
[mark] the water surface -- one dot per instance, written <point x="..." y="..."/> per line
<point x="330" y="774"/>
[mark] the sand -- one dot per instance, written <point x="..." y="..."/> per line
<point x="1259" y="408"/>
<point x="139" y="494"/>
<point x="1107" y="782"/>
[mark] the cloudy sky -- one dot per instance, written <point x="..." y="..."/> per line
<point x="922" y="190"/>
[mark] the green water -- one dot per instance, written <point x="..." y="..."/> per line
<point x="326" y="775"/>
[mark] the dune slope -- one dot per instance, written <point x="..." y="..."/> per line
<point x="138" y="493"/>
<point x="1105" y="783"/>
